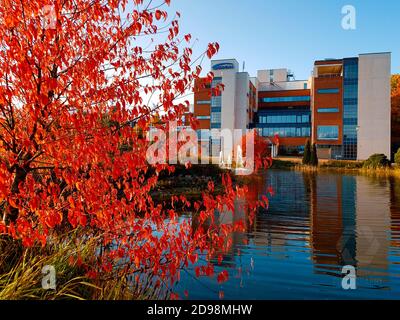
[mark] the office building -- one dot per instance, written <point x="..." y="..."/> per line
<point x="344" y="108"/>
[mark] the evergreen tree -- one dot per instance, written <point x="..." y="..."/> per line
<point x="307" y="153"/>
<point x="314" y="157"/>
<point x="397" y="157"/>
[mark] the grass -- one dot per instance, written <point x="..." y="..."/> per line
<point x="282" y="164"/>
<point x="21" y="273"/>
<point x="382" y="172"/>
<point x="337" y="164"/>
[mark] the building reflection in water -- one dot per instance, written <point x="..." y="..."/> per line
<point x="395" y="212"/>
<point x="315" y="225"/>
<point x="372" y="225"/>
<point x="343" y="219"/>
<point x="332" y="221"/>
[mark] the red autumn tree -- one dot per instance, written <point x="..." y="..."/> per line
<point x="395" y="101"/>
<point x="262" y="152"/>
<point x="81" y="81"/>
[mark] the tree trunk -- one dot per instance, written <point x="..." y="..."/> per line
<point x="20" y="176"/>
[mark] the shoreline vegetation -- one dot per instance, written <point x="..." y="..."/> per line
<point x="339" y="166"/>
<point x="190" y="182"/>
<point x="22" y="273"/>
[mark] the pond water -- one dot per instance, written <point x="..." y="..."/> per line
<point x="315" y="225"/>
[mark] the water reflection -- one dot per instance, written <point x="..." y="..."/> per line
<point x="316" y="223"/>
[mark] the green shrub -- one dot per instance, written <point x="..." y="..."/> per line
<point x="307" y="153"/>
<point x="397" y="157"/>
<point x="377" y="160"/>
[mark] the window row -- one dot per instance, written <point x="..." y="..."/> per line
<point x="203" y="102"/>
<point x="285" y="132"/>
<point x="328" y="90"/>
<point x="203" y="117"/>
<point x="285" y="99"/>
<point x="305" y="118"/>
<point x="328" y="110"/>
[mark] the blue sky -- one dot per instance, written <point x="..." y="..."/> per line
<point x="290" y="33"/>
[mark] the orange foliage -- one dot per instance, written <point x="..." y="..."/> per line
<point x="395" y="110"/>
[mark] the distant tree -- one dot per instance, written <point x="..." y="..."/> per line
<point x="307" y="153"/>
<point x="395" y="102"/>
<point x="377" y="160"/>
<point x="395" y="82"/>
<point x="313" y="156"/>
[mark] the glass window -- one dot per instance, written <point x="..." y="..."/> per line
<point x="203" y="117"/>
<point x="285" y="131"/>
<point x="285" y="99"/>
<point x="263" y="119"/>
<point x="216" y="81"/>
<point x="203" y="102"/>
<point x="305" y="132"/>
<point x="328" y="132"/>
<point x="216" y="101"/>
<point x="216" y="117"/>
<point x="292" y="118"/>
<point x="328" y="110"/>
<point x="328" y="90"/>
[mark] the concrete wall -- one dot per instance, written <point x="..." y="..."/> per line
<point x="279" y="75"/>
<point x="235" y="96"/>
<point x="374" y="105"/>
<point x="286" y="85"/>
<point x="228" y="100"/>
<point x="242" y="101"/>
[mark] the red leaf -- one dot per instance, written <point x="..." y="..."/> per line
<point x="223" y="276"/>
<point x="193" y="258"/>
